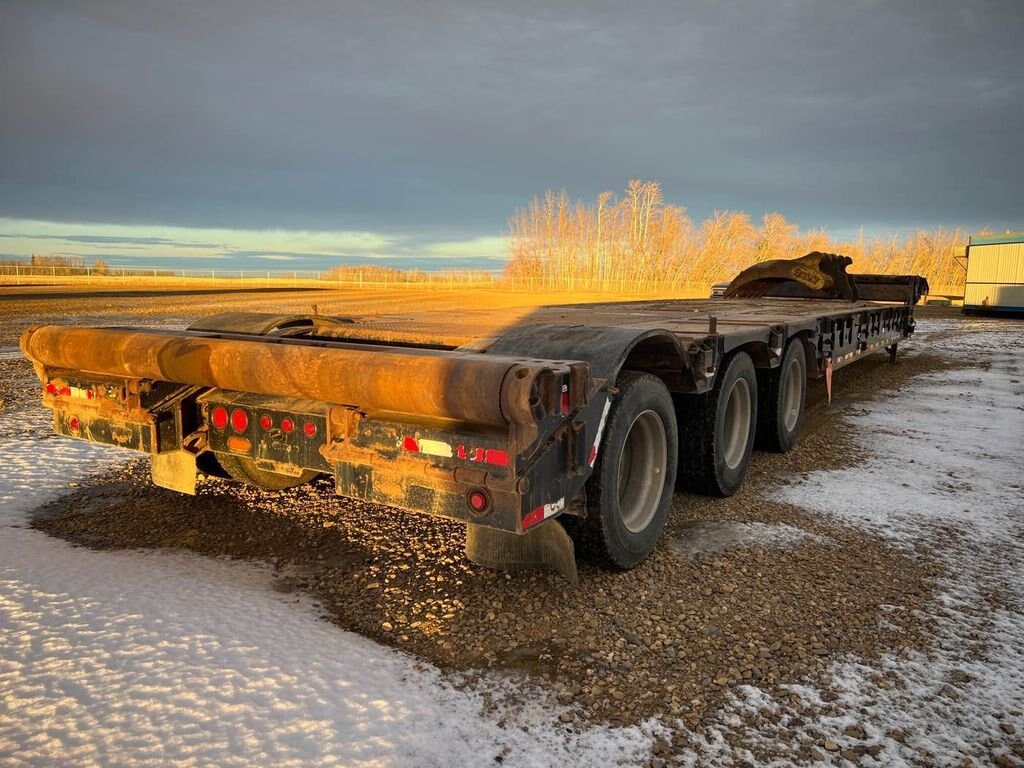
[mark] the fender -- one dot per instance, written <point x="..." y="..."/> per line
<point x="606" y="349"/>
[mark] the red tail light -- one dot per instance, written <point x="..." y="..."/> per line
<point x="266" y="422"/>
<point x="51" y="388"/>
<point x="479" y="501"/>
<point x="309" y="428"/>
<point x="219" y="417"/>
<point x="73" y="423"/>
<point x="239" y="420"/>
<point x="287" y="426"/>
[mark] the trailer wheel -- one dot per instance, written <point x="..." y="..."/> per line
<point x="717" y="430"/>
<point x="244" y="470"/>
<point x="782" y="393"/>
<point x="630" y="490"/>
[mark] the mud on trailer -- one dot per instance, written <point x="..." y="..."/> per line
<point x="564" y="430"/>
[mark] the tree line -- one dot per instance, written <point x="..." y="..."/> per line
<point x="638" y="240"/>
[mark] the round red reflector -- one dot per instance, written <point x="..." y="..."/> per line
<point x="219" y="417"/>
<point x="478" y="501"/>
<point x="266" y="422"/>
<point x="239" y="420"/>
<point x="309" y="428"/>
<point x="73" y="423"/>
<point x="287" y="425"/>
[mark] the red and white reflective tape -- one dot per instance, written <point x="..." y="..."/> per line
<point x="542" y="513"/>
<point x="445" y="450"/>
<point x="600" y="431"/>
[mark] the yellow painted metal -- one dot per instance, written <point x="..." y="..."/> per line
<point x="995" y="275"/>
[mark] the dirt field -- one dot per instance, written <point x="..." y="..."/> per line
<point x="733" y="644"/>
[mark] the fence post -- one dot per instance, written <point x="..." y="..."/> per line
<point x="17" y="274"/>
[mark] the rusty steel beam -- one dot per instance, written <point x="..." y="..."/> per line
<point x="464" y="386"/>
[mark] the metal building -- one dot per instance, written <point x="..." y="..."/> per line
<point x="995" y="274"/>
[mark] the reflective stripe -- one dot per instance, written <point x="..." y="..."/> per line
<point x="600" y="431"/>
<point x="435" y="447"/>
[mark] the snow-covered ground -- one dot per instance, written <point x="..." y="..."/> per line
<point x="947" y="476"/>
<point x="148" y="658"/>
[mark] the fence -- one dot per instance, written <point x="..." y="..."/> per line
<point x="236" y="279"/>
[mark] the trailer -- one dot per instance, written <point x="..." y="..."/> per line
<point x="550" y="432"/>
<point x="995" y="275"/>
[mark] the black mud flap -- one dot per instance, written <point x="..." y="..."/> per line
<point x="546" y="546"/>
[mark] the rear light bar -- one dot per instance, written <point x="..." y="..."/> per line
<point x="238" y="419"/>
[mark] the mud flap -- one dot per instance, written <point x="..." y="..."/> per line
<point x="175" y="470"/>
<point x="547" y="546"/>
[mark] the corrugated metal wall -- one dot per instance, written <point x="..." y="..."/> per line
<point x="995" y="275"/>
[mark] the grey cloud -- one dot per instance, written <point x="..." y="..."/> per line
<point x="141" y="241"/>
<point x="406" y="116"/>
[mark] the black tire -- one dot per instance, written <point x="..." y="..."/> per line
<point x="782" y="394"/>
<point x="714" y="454"/>
<point x="244" y="470"/>
<point x="627" y="506"/>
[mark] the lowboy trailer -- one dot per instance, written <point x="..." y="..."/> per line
<point x="565" y="429"/>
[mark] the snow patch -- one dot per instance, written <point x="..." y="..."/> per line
<point x="711" y="536"/>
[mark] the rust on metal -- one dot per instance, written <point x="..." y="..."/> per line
<point x="463" y="386"/>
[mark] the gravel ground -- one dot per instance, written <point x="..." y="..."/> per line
<point x="740" y="591"/>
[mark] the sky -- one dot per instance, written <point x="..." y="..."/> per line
<point x="300" y="135"/>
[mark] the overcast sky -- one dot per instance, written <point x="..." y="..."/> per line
<point x="413" y="129"/>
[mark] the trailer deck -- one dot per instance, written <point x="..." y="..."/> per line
<point x="692" y="321"/>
